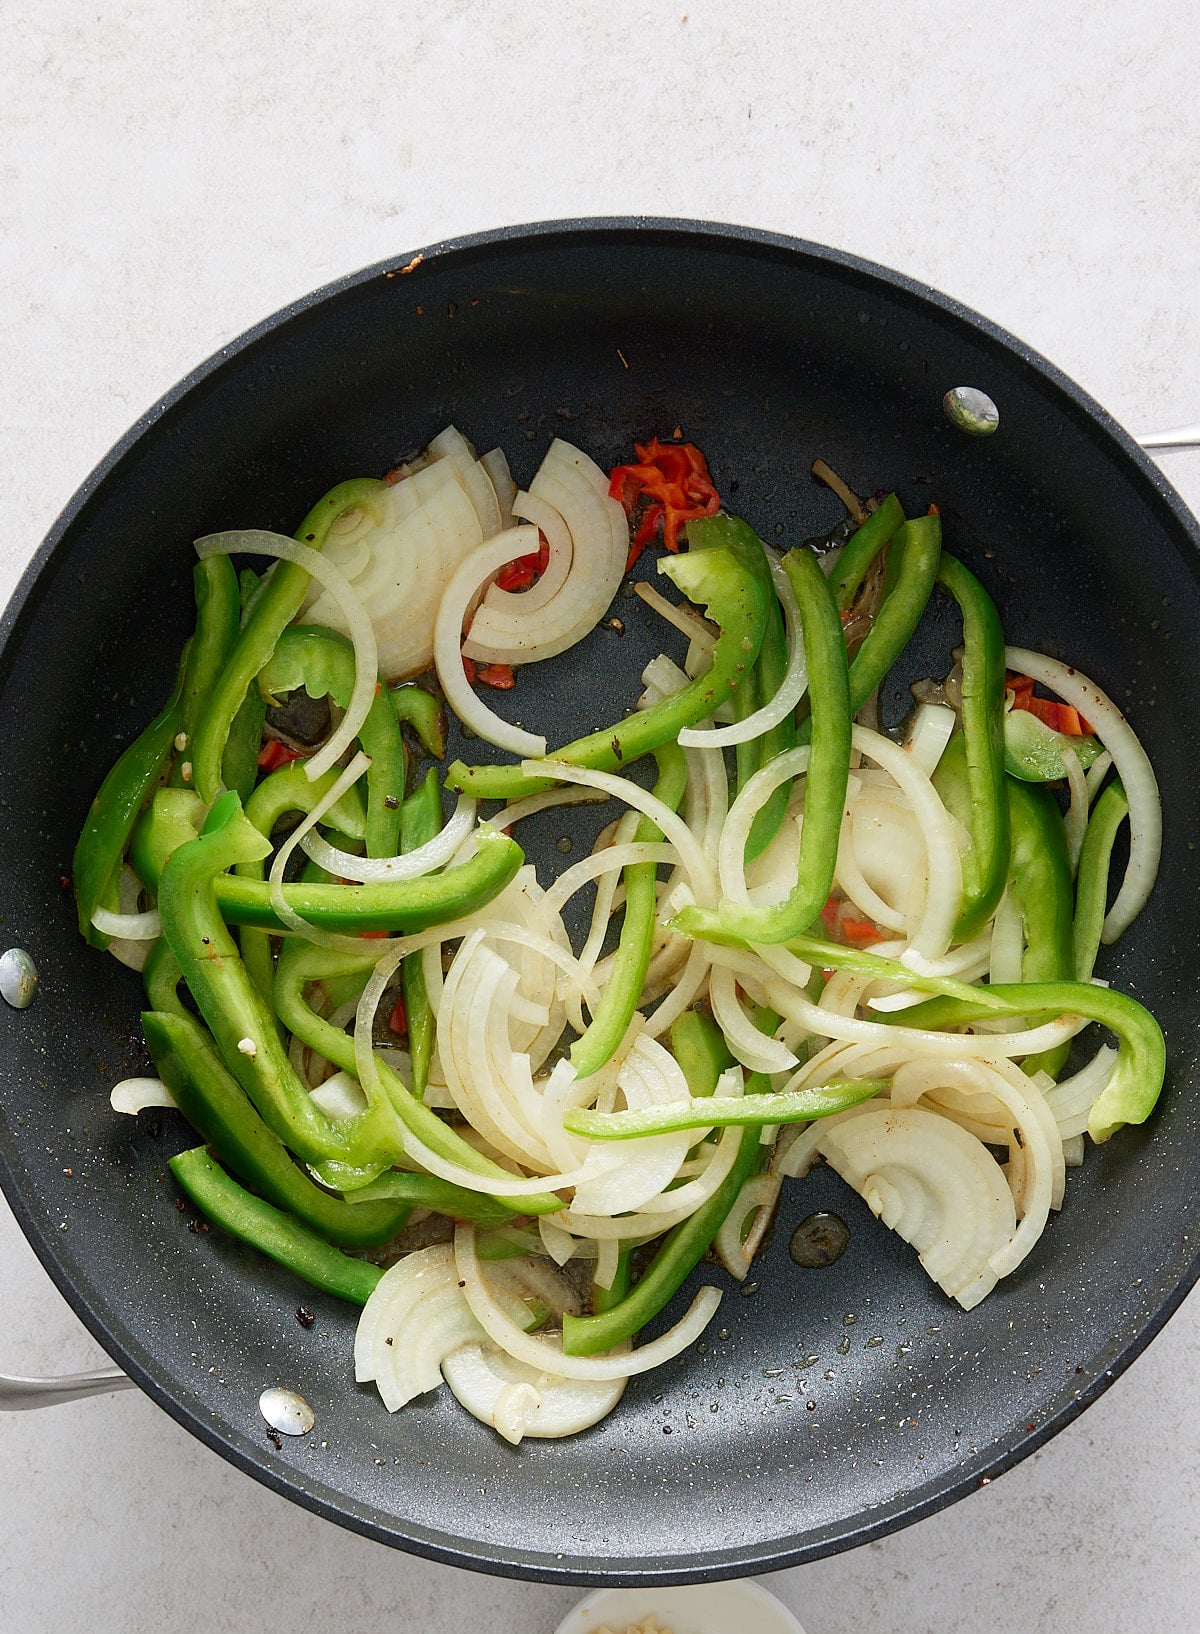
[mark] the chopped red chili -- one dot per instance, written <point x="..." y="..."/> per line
<point x="522" y="570"/>
<point x="846" y="927"/>
<point x="668" y="486"/>
<point x="398" y="1020"/>
<point x="499" y="676"/>
<point x="274" y="754"/>
<point x="1059" y="717"/>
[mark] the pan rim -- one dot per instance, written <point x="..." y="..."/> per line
<point x="776" y="1553"/>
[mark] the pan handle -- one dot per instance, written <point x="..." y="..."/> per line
<point x="1180" y="437"/>
<point x="22" y="1395"/>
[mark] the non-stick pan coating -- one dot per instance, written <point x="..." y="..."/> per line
<point x="829" y="1406"/>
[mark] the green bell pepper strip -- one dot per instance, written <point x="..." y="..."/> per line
<point x="836" y="956"/>
<point x="322" y="662"/>
<point x="701" y="1052"/>
<point x="442" y="1196"/>
<point x="218" y="611"/>
<point x="421" y="820"/>
<point x="607" y="1299"/>
<point x="725" y="571"/>
<point x="970" y="774"/>
<point x="1091" y="881"/>
<point x="1033" y="751"/>
<point x="287" y="790"/>
<point x="115" y="810"/>
<point x="290" y="789"/>
<point x="268" y="1229"/>
<point x="861" y="549"/>
<point x="631" y="960"/>
<point x="161" y="977"/>
<point x="303" y="962"/>
<point x="404" y="905"/>
<point x="424" y="713"/>
<point x="723" y="1111"/>
<point x="770" y="670"/>
<point x="913" y="559"/>
<point x="912" y="569"/>
<point x="1039" y="880"/>
<point x="720" y="1112"/>
<point x="239" y="761"/>
<point x="825" y="787"/>
<point x="1141" y="1064"/>
<point x="238" y="1016"/>
<point x="272" y="609"/>
<point x="213" y="1103"/>
<point x="508" y="1243"/>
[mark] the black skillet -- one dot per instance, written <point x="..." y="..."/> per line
<point x="831" y="1406"/>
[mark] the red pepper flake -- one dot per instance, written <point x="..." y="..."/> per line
<point x="372" y="935"/>
<point x="669" y="485"/>
<point x="469" y="669"/>
<point x="499" y="676"/>
<point x="398" y="1020"/>
<point x="274" y="754"/>
<point x="273" y="1436"/>
<point x="304" y="1316"/>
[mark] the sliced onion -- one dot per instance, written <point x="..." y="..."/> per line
<point x="453" y="446"/>
<point x="447" y="642"/>
<point x="1071" y="1099"/>
<point x="409" y="865"/>
<point x="670" y="824"/>
<point x="506" y="612"/>
<point x="495" y="463"/>
<point x="128" y="927"/>
<point x="519" y="1400"/>
<point x="935" y="1185"/>
<point x="649" y="1076"/>
<point x="791" y="689"/>
<point x="929" y="732"/>
<point x="1133" y="768"/>
<point x="549" y="1357"/>
<point x="751" y="1047"/>
<point x="134" y="1095"/>
<point x="692" y="624"/>
<point x="257" y="542"/>
<point x="759" y="1195"/>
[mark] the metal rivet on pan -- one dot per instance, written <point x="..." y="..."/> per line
<point x="971" y="410"/>
<point x="18" y="978"/>
<point x="286" y="1412"/>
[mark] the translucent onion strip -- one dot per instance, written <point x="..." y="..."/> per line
<point x="287" y="915"/>
<point x="409" y="865"/>
<point x="791" y="689"/>
<point x="258" y="542"/>
<point x="549" y="1357"/>
<point x="128" y="927"/>
<point x="672" y="826"/>
<point x="465" y="581"/>
<point x="1132" y="766"/>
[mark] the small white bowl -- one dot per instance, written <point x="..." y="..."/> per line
<point x="738" y="1607"/>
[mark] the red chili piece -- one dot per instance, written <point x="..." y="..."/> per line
<point x="522" y="570"/>
<point x="1059" y="717"/>
<point x="274" y="754"/>
<point x="668" y="486"/>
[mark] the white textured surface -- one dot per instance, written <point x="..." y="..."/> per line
<point x="170" y="173"/>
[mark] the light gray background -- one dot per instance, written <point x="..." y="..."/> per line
<point x="170" y="173"/>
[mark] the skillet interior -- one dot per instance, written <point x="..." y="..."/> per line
<point x="831" y="1406"/>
